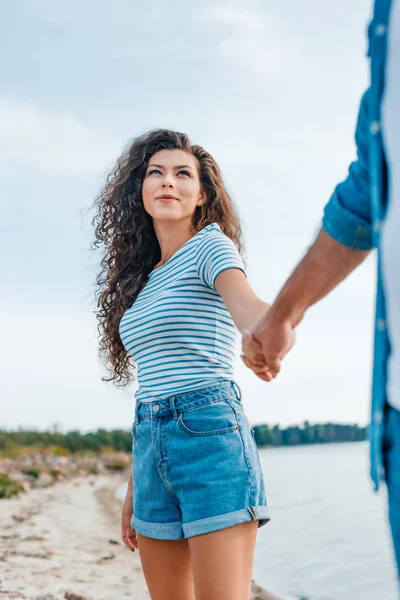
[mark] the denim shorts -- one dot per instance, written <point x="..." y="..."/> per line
<point x="195" y="465"/>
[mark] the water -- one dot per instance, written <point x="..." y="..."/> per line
<point x="328" y="538"/>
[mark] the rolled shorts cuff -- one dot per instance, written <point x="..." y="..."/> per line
<point x="251" y="513"/>
<point x="178" y="530"/>
<point x="159" y="531"/>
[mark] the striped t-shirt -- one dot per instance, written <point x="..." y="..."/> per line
<point x="178" y="330"/>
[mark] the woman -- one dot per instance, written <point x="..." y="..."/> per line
<point x="172" y="290"/>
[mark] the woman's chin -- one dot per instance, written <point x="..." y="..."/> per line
<point x="167" y="215"/>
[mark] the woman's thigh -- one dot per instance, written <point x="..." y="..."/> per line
<point x="222" y="562"/>
<point x="167" y="568"/>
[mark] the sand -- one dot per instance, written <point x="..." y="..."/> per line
<point x="66" y="538"/>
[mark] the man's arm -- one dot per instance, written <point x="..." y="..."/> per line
<point x="324" y="266"/>
<point x="347" y="216"/>
<point x="343" y="243"/>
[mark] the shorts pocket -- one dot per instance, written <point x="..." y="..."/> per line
<point x="215" y="418"/>
<point x="133" y="431"/>
<point x="255" y="447"/>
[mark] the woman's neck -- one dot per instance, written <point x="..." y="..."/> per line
<point x="171" y="236"/>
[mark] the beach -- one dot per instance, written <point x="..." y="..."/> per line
<point x="63" y="541"/>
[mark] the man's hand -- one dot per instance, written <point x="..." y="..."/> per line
<point x="267" y="344"/>
<point x="325" y="265"/>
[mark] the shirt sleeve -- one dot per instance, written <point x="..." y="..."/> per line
<point x="216" y="253"/>
<point x="347" y="216"/>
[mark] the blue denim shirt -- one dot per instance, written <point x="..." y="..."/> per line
<point x="354" y="214"/>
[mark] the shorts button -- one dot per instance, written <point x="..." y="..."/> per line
<point x="156" y="408"/>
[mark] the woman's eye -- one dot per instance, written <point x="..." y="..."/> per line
<point x="154" y="171"/>
<point x="184" y="172"/>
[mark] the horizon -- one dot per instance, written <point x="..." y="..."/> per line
<point x="54" y="428"/>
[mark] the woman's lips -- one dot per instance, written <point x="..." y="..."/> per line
<point x="167" y="199"/>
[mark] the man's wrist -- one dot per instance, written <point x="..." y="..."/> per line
<point x="283" y="311"/>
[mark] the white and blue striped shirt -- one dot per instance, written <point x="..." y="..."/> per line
<point x="179" y="330"/>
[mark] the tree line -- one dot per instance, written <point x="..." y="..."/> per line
<point x="120" y="440"/>
<point x="308" y="434"/>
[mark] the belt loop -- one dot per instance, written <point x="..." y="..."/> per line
<point x="173" y="408"/>
<point x="137" y="418"/>
<point x="239" y="391"/>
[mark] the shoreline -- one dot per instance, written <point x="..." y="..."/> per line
<point x="55" y="539"/>
<point x="66" y="538"/>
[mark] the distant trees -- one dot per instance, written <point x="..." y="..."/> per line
<point x="73" y="442"/>
<point x="308" y="434"/>
<point x="120" y="440"/>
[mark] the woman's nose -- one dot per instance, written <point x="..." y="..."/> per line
<point x="167" y="183"/>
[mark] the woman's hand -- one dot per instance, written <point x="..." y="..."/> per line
<point x="267" y="344"/>
<point x="253" y="356"/>
<point x="128" y="534"/>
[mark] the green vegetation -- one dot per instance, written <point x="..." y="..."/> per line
<point x="25" y="442"/>
<point x="63" y="444"/>
<point x="92" y="470"/>
<point x="116" y="465"/>
<point x="308" y="434"/>
<point x="32" y="471"/>
<point x="9" y="487"/>
<point x="55" y="474"/>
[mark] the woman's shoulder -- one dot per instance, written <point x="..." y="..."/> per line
<point x="211" y="239"/>
<point x="211" y="227"/>
<point x="212" y="234"/>
<point x="211" y="230"/>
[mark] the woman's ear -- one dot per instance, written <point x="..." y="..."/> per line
<point x="202" y="198"/>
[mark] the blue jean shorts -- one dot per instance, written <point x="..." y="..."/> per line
<point x="195" y="465"/>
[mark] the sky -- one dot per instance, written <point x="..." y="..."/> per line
<point x="270" y="88"/>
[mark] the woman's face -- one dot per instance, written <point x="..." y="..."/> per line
<point x="171" y="187"/>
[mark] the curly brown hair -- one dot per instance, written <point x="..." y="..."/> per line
<point x="125" y="233"/>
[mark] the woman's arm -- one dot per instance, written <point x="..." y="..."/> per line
<point x="128" y="535"/>
<point x="130" y="484"/>
<point x="243" y="304"/>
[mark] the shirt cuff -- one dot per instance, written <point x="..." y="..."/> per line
<point x="346" y="227"/>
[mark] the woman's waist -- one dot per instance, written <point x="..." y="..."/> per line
<point x="164" y="387"/>
<point x="175" y="403"/>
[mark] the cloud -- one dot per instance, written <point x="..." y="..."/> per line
<point x="54" y="144"/>
<point x="276" y="56"/>
<point x="253" y="39"/>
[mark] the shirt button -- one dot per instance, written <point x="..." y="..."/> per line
<point x="156" y="408"/>
<point x="377" y="417"/>
<point x="381" y="324"/>
<point x="377" y="225"/>
<point x="374" y="127"/>
<point x="380" y="29"/>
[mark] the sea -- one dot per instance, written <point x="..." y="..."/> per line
<point x="328" y="538"/>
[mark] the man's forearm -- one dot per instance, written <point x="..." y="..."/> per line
<point x="324" y="266"/>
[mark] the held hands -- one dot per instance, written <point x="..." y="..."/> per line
<point x="266" y="345"/>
